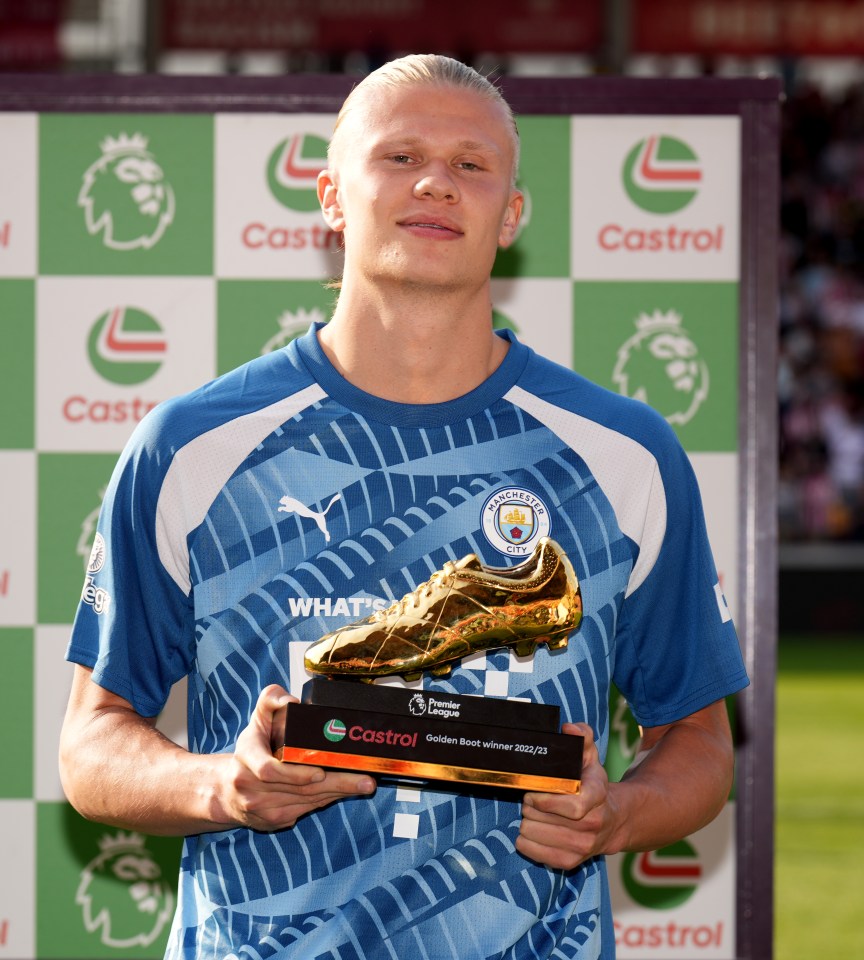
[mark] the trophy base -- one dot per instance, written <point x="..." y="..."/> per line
<point x="396" y="735"/>
<point x="418" y="770"/>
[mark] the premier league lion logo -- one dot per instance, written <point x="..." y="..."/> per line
<point x="123" y="894"/>
<point x="125" y="195"/>
<point x="660" y="365"/>
<point x="292" y="325"/>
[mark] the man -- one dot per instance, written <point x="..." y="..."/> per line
<point x="245" y="519"/>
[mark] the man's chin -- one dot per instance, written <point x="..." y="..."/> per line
<point x="440" y="279"/>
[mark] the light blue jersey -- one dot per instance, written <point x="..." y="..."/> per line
<point x="252" y="516"/>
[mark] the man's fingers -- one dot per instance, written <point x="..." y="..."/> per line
<point x="258" y="770"/>
<point x="561" y="830"/>
<point x="258" y="741"/>
<point x="593" y="787"/>
<point x="273" y="806"/>
<point x="579" y="727"/>
<point x="309" y="781"/>
<point x="271" y="704"/>
<point x="589" y="747"/>
<point x="552" y="807"/>
<point x="555" y="855"/>
<point x="557" y="830"/>
<point x="269" y="794"/>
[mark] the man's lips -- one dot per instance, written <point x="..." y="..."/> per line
<point x="432" y="224"/>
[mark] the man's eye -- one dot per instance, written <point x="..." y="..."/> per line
<point x="401" y="158"/>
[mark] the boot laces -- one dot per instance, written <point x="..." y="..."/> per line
<point x="440" y="578"/>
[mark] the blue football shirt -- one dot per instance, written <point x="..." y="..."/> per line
<point x="252" y="516"/>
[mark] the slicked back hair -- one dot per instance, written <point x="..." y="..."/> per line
<point x="429" y="69"/>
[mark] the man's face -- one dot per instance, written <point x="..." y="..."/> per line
<point x="421" y="185"/>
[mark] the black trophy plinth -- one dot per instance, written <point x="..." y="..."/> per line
<point x="423" y="735"/>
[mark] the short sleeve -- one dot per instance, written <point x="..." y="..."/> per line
<point x="134" y="625"/>
<point x="677" y="649"/>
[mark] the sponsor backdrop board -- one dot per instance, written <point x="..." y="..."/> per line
<point x="143" y="253"/>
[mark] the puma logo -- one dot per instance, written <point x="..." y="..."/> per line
<point x="290" y="505"/>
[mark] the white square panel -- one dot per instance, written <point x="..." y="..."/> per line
<point x="406" y="825"/>
<point x="19" y="172"/>
<point x="497" y="683"/>
<point x="18" y="885"/>
<point x="540" y="311"/>
<point x="703" y="922"/>
<point x="53" y="682"/>
<point x="717" y="475"/>
<point x="110" y="348"/>
<point x="17" y="538"/>
<point x="268" y="222"/>
<point x="655" y="198"/>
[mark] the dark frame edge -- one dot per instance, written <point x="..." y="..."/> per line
<point x="757" y="613"/>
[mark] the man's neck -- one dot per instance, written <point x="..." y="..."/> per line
<point x="420" y="346"/>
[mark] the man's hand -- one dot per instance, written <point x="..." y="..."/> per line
<point x="265" y="794"/>
<point x="678" y="783"/>
<point x="117" y="768"/>
<point x="562" y="830"/>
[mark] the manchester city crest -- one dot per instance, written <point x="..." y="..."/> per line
<point x="514" y="519"/>
<point x="515" y="523"/>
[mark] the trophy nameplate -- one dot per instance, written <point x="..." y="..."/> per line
<point x="427" y="735"/>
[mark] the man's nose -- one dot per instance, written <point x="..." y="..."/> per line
<point x="437" y="183"/>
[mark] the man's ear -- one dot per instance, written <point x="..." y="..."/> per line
<point x="328" y="197"/>
<point x="511" y="219"/>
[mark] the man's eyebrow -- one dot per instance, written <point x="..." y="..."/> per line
<point x="411" y="141"/>
<point x="477" y="145"/>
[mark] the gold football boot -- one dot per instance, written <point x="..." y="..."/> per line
<point x="463" y="608"/>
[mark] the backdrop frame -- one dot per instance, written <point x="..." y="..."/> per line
<point x="757" y="103"/>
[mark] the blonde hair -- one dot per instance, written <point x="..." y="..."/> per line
<point x="434" y="70"/>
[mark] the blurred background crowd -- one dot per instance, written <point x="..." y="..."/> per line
<point x="816" y="45"/>
<point x="821" y="369"/>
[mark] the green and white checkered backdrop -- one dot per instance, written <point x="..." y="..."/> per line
<point x="142" y="254"/>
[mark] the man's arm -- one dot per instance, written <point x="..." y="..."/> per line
<point x="679" y="782"/>
<point x="117" y="768"/>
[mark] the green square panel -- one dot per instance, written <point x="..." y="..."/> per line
<point x="70" y="491"/>
<point x="624" y="737"/>
<point x="542" y="246"/>
<point x="258" y="316"/>
<point x="673" y="345"/>
<point x="126" y="194"/>
<point x="17" y="363"/>
<point x="100" y="891"/>
<point x="16" y="712"/>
